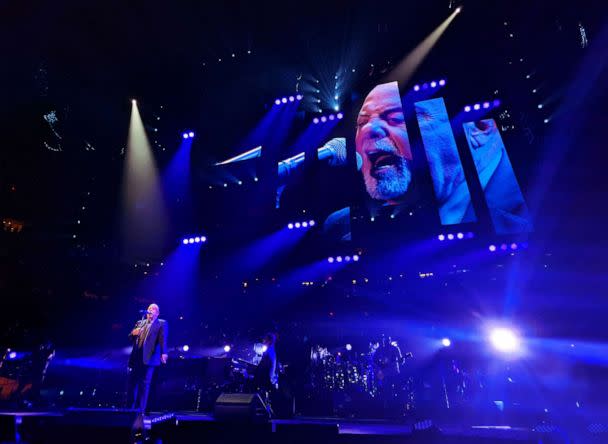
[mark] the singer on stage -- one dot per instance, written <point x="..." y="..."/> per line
<point x="149" y="350"/>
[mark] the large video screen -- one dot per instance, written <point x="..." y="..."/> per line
<point x="508" y="209"/>
<point x="427" y="187"/>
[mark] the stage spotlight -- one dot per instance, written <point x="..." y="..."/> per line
<point x="467" y="109"/>
<point x="185" y="135"/>
<point x="492" y="248"/>
<point x="442" y="82"/>
<point x="356" y="257"/>
<point x="315" y="120"/>
<point x="240" y="182"/>
<point x="299" y="97"/>
<point x="450" y="236"/>
<point x="284" y="100"/>
<point x="191" y="134"/>
<point x="337" y="108"/>
<point x="503" y="247"/>
<point x="441" y="237"/>
<point x="323" y="119"/>
<point x="225" y="185"/>
<point x="340" y="116"/>
<point x="255" y="179"/>
<point x="290" y="226"/>
<point x="349" y="347"/>
<point x="460" y="235"/>
<point x="264" y="348"/>
<point x="277" y="102"/>
<point x="458" y="10"/>
<point x="540" y="106"/>
<point x="339" y="259"/>
<point x="476" y="106"/>
<point x="416" y="87"/>
<point x="185" y="242"/>
<point x="203" y="239"/>
<point x="292" y="98"/>
<point x="433" y="84"/>
<point x="486" y="105"/>
<point x="446" y="342"/>
<point x="311" y="223"/>
<point x="425" y="86"/>
<point x="191" y="240"/>
<point x="297" y="225"/>
<point x="227" y="348"/>
<point x="347" y="258"/>
<point x="546" y="121"/>
<point x="504" y="340"/>
<point x="330" y="260"/>
<point x="332" y="117"/>
<point x="496" y="103"/>
<point x="513" y="246"/>
<point x="186" y="348"/>
<point x="197" y="239"/>
<point x="304" y="224"/>
<point x="133" y="102"/>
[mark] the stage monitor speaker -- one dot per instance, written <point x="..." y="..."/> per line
<point x="240" y="407"/>
<point x="7" y="427"/>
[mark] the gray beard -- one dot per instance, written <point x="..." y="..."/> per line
<point x="392" y="185"/>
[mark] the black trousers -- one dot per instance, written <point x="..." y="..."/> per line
<point x="139" y="380"/>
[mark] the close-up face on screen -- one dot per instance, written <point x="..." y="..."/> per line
<point x="382" y="145"/>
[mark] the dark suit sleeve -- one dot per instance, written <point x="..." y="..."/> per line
<point x="162" y="340"/>
<point x="131" y="337"/>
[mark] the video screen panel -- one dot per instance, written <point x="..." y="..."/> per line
<point x="508" y="209"/>
<point x="452" y="194"/>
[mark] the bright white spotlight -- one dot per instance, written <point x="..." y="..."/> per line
<point x="186" y="348"/>
<point x="458" y="10"/>
<point x="197" y="239"/>
<point x="264" y="348"/>
<point x="305" y="224"/>
<point x="297" y="225"/>
<point x="185" y="242"/>
<point x="203" y="239"/>
<point x="227" y="348"/>
<point x="191" y="240"/>
<point x="133" y="101"/>
<point x="504" y="340"/>
<point x="191" y="134"/>
<point x="446" y="342"/>
<point x="311" y="223"/>
<point x="349" y="347"/>
<point x="290" y="226"/>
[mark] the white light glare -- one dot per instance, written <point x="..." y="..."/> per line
<point x="504" y="340"/>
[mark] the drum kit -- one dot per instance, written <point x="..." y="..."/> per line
<point x="359" y="376"/>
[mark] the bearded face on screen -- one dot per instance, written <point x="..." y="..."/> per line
<point x="382" y="144"/>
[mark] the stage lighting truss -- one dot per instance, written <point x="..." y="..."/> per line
<point x="455" y="236"/>
<point x="344" y="259"/>
<point x="299" y="225"/>
<point x="194" y="240"/>
<point x="482" y="106"/>
<point x="432" y="85"/>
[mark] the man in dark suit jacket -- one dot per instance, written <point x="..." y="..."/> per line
<point x="149" y="350"/>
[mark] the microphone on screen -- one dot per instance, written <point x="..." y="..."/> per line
<point x="334" y="152"/>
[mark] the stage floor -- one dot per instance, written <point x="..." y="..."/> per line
<point x="317" y="429"/>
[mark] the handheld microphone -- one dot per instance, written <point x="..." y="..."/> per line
<point x="334" y="151"/>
